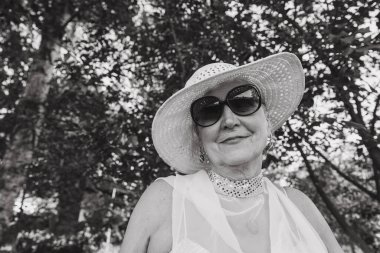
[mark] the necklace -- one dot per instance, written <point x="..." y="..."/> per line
<point x="237" y="188"/>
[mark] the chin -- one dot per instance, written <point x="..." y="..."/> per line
<point x="241" y="157"/>
<point x="238" y="160"/>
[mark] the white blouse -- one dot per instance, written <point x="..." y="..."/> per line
<point x="204" y="221"/>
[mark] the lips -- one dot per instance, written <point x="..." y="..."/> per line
<point x="233" y="139"/>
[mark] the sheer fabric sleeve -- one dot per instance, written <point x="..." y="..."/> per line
<point x="290" y="231"/>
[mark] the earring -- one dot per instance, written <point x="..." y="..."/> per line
<point x="203" y="156"/>
<point x="270" y="145"/>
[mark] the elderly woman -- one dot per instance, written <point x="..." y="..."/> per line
<point x="215" y="131"/>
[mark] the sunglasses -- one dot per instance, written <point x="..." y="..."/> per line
<point x="243" y="100"/>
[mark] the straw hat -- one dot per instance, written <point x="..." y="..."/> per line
<point x="279" y="78"/>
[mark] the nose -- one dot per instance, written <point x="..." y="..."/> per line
<point x="229" y="119"/>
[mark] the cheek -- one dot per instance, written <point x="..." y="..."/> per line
<point x="260" y="132"/>
<point x="207" y="135"/>
<point x="258" y="124"/>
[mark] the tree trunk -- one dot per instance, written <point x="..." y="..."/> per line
<point x="70" y="195"/>
<point x="374" y="154"/>
<point x="24" y="139"/>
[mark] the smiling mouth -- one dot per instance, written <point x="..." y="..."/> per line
<point x="233" y="140"/>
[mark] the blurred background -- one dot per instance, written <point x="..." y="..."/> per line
<point x="81" y="81"/>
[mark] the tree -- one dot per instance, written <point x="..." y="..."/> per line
<point x="25" y="94"/>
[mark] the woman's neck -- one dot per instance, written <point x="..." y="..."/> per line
<point x="240" y="172"/>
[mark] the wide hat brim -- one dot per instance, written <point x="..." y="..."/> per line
<point x="279" y="78"/>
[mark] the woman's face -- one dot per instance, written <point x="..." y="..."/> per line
<point x="234" y="140"/>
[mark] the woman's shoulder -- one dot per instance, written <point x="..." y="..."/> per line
<point x="315" y="217"/>
<point x="155" y="200"/>
<point x="152" y="211"/>
<point x="307" y="207"/>
<point x="300" y="199"/>
<point x="164" y="182"/>
<point x="158" y="194"/>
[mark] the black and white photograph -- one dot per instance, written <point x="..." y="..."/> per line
<point x="189" y="126"/>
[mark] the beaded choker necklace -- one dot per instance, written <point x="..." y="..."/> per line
<point x="237" y="188"/>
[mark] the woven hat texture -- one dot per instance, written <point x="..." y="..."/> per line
<point x="279" y="78"/>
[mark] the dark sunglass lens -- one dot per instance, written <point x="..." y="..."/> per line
<point x="206" y="111"/>
<point x="244" y="100"/>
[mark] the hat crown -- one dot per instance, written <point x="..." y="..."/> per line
<point x="208" y="71"/>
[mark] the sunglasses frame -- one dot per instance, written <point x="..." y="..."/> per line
<point x="225" y="102"/>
